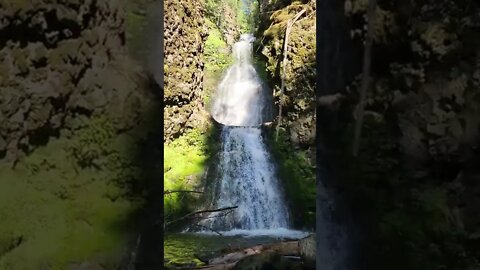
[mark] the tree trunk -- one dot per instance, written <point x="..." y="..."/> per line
<point x="367" y="59"/>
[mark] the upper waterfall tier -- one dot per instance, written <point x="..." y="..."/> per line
<point x="241" y="99"/>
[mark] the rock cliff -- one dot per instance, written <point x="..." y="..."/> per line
<point x="185" y="35"/>
<point x="298" y="100"/>
<point x="294" y="149"/>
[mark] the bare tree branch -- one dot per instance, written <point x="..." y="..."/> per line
<point x="166" y="192"/>
<point x="210" y="229"/>
<point x="201" y="212"/>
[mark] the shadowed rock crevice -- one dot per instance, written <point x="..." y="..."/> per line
<point x="38" y="26"/>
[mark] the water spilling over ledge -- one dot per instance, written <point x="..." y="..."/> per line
<point x="241" y="98"/>
<point x="246" y="174"/>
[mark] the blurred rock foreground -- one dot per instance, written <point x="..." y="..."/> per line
<point x="411" y="190"/>
<point x="59" y="64"/>
<point x="78" y="134"/>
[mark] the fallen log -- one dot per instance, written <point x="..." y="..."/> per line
<point x="303" y="249"/>
<point x="283" y="248"/>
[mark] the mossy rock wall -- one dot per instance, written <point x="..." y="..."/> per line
<point x="185" y="36"/>
<point x="58" y="62"/>
<point x="294" y="149"/>
<point x="299" y="97"/>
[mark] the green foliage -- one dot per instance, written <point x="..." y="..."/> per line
<point x="243" y="14"/>
<point x="212" y="8"/>
<point x="253" y="16"/>
<point x="298" y="177"/>
<point x="216" y="50"/>
<point x="217" y="59"/>
<point x="184" y="163"/>
<point x="216" y="10"/>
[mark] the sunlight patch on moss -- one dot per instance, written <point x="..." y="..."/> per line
<point x="184" y="162"/>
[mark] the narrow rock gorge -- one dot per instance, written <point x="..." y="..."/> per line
<point x="222" y="148"/>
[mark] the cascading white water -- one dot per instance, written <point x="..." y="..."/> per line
<point x="240" y="99"/>
<point x="246" y="175"/>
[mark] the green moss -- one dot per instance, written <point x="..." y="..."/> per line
<point x="63" y="213"/>
<point x="298" y="177"/>
<point x="184" y="162"/>
<point x="92" y="142"/>
<point x="217" y="59"/>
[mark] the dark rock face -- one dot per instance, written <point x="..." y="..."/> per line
<point x="59" y="61"/>
<point x="185" y="35"/>
<point x="421" y="131"/>
<point x="425" y="76"/>
<point x="425" y="85"/>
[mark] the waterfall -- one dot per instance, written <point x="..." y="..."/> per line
<point x="246" y="175"/>
<point x="241" y="99"/>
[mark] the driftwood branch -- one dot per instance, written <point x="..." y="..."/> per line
<point x="261" y="41"/>
<point x="290" y="248"/>
<point x="190" y="215"/>
<point x="180" y="191"/>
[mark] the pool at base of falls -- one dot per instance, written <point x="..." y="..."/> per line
<point x="280" y="233"/>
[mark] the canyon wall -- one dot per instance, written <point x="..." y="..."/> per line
<point x="185" y="36"/>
